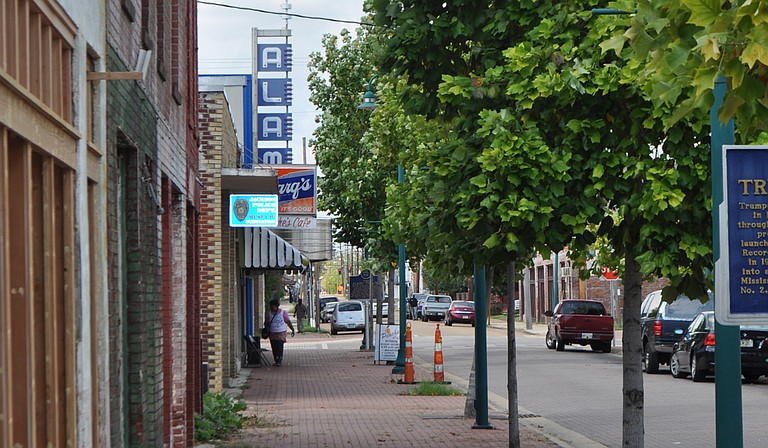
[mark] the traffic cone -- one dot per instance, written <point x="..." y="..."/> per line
<point x="439" y="375"/>
<point x="409" y="374"/>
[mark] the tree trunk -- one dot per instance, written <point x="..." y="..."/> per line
<point x="514" y="423"/>
<point x="527" y="305"/>
<point x="469" y="406"/>
<point x="633" y="426"/>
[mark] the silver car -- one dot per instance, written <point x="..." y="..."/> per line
<point x="327" y="311"/>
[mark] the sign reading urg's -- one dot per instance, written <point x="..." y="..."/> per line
<point x="296" y="190"/>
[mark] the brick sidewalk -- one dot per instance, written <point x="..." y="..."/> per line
<point x="330" y="394"/>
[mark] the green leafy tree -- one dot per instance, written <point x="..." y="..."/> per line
<point x="549" y="136"/>
<point x="686" y="45"/>
<point x="354" y="176"/>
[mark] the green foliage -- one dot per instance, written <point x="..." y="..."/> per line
<point x="443" y="281"/>
<point x="685" y="45"/>
<point x="433" y="389"/>
<point x="220" y="417"/>
<point x="544" y="136"/>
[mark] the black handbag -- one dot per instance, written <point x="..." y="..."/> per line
<point x="265" y="330"/>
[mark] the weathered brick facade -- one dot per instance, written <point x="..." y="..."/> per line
<point x="153" y="201"/>
<point x="219" y="282"/>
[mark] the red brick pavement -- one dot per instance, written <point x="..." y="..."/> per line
<point x="328" y="393"/>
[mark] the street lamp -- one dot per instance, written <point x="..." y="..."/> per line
<point x="369" y="103"/>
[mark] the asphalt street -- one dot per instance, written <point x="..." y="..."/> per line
<point x="579" y="391"/>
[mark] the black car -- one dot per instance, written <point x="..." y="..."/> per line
<point x="694" y="353"/>
<point x="663" y="323"/>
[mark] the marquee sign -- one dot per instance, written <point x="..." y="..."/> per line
<point x="296" y="188"/>
<point x="274" y="57"/>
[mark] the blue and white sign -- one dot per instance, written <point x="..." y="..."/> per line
<point x="274" y="57"/>
<point x="274" y="127"/>
<point x="741" y="273"/>
<point x="274" y="91"/>
<point x="276" y="156"/>
<point x="253" y="210"/>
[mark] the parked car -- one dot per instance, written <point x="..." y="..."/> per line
<point x="384" y="308"/>
<point x="583" y="322"/>
<point x="461" y="312"/>
<point x="420" y="305"/>
<point x="348" y="316"/>
<point x="326" y="300"/>
<point x="694" y="353"/>
<point x="662" y="325"/>
<point x="327" y="311"/>
<point x="435" y="307"/>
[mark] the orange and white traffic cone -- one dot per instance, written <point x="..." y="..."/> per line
<point x="439" y="375"/>
<point x="409" y="374"/>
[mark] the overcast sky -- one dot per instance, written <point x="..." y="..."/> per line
<point x="224" y="42"/>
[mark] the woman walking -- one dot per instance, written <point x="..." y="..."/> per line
<point x="278" y="322"/>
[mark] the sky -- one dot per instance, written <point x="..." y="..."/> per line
<point x="224" y="45"/>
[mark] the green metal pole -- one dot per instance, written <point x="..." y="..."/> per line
<point x="729" y="429"/>
<point x="481" y="352"/>
<point x="400" y="362"/>
<point x="556" y="281"/>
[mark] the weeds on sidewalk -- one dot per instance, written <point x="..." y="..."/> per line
<point x="433" y="389"/>
<point x="220" y="417"/>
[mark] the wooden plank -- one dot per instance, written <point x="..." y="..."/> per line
<point x="113" y="76"/>
<point x="31" y="119"/>
<point x="18" y="343"/>
<point x="36" y="301"/>
<point x="66" y="84"/>
<point x="68" y="296"/>
<point x="35" y="54"/>
<point x="57" y="96"/>
<point x="22" y="22"/>
<point x="48" y="69"/>
<point x="11" y="39"/>
<point x="5" y="291"/>
<point x="51" y="305"/>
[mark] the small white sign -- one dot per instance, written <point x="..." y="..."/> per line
<point x="387" y="343"/>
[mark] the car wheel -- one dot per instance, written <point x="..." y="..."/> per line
<point x="650" y="360"/>
<point x="333" y="331"/>
<point x="560" y="345"/>
<point x="550" y="341"/>
<point x="607" y="347"/>
<point x="674" y="367"/>
<point x="751" y="376"/>
<point x="448" y="323"/>
<point x="697" y="374"/>
<point x="424" y="318"/>
<point x="473" y="323"/>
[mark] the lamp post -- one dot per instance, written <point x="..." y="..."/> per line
<point x="369" y="103"/>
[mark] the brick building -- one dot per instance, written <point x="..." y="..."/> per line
<point x="152" y="224"/>
<point x="541" y="281"/>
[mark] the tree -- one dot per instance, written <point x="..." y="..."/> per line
<point x="354" y="174"/>
<point x="548" y="138"/>
<point x="687" y="45"/>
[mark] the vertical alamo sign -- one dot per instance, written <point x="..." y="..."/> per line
<point x="742" y="271"/>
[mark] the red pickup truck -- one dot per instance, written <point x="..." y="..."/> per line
<point x="583" y="322"/>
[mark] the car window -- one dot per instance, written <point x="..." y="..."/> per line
<point x="463" y="304"/>
<point x="350" y="306"/>
<point x="684" y="308"/>
<point x="442" y="299"/>
<point x="698" y="324"/>
<point x="653" y="306"/>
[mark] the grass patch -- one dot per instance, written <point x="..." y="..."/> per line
<point x="433" y="389"/>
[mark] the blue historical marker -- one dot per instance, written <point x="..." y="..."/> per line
<point x="742" y="286"/>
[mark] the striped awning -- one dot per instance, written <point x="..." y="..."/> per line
<point x="265" y="250"/>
